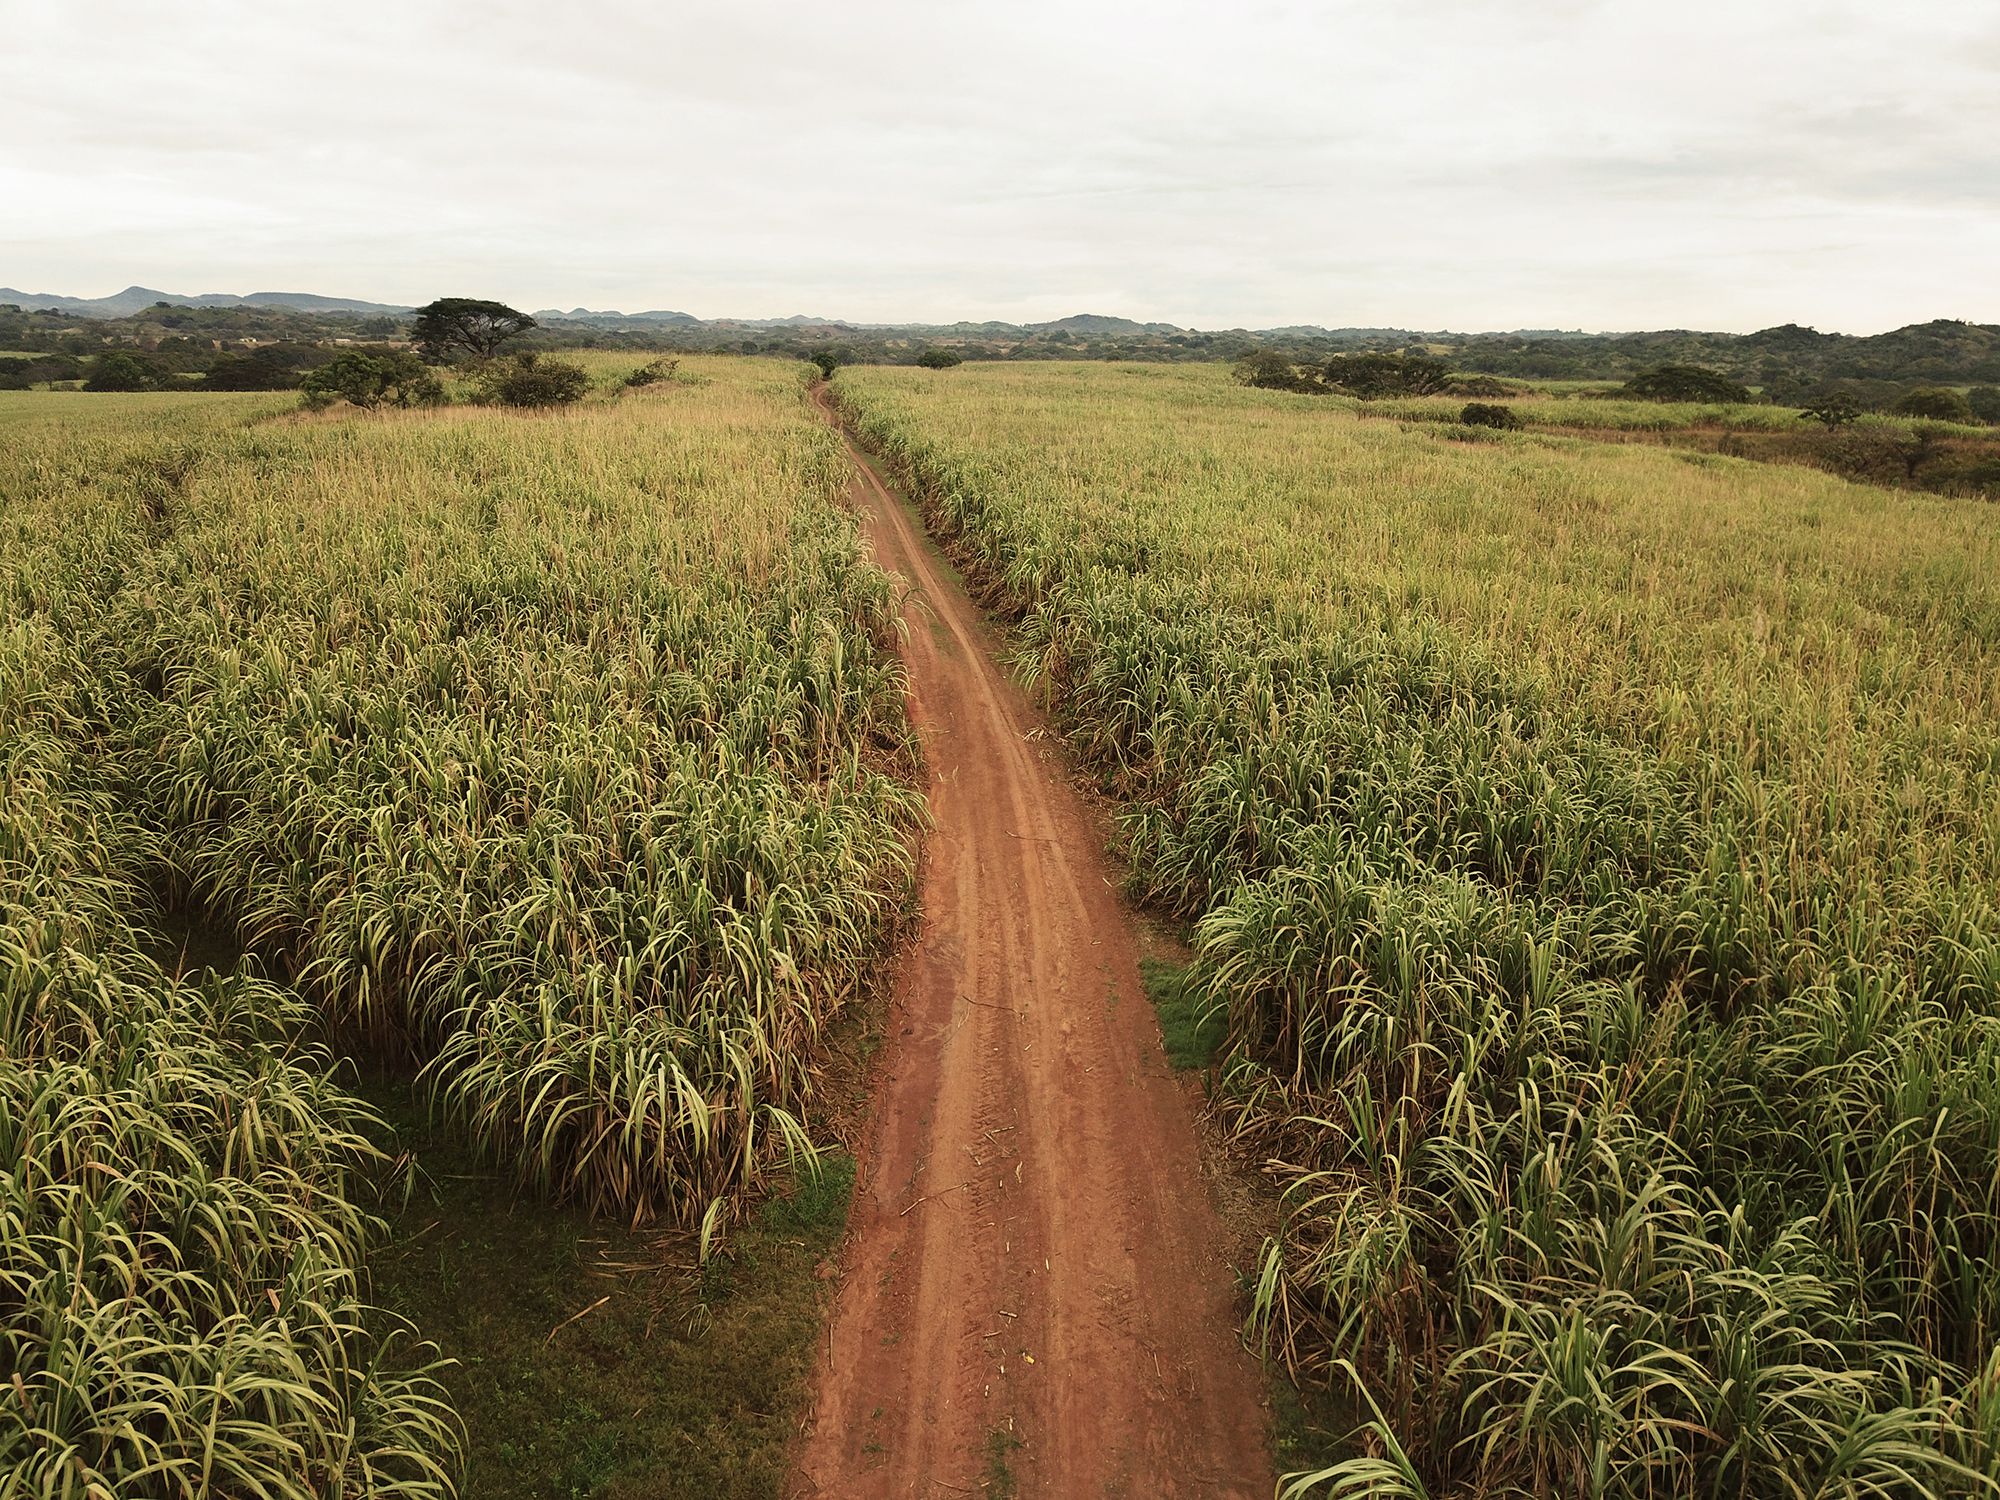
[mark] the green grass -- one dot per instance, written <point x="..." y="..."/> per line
<point x="1000" y="1483"/>
<point x="595" y="1362"/>
<point x="1311" y="1427"/>
<point x="1190" y="1028"/>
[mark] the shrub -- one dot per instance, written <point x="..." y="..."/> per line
<point x="1936" y="402"/>
<point x="827" y="361"/>
<point x="1490" y="414"/>
<point x="1985" y="403"/>
<point x="652" y="373"/>
<point x="528" y="380"/>
<point x="120" y="372"/>
<point x="940" y="359"/>
<point x="1684" y="383"/>
<point x="1480" y="385"/>
<point x="371" y="380"/>
<point x="1880" y="455"/>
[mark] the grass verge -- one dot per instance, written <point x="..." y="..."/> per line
<point x="597" y="1364"/>
<point x="1192" y="1038"/>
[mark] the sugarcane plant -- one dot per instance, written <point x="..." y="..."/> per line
<point x="1595" y="860"/>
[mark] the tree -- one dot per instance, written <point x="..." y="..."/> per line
<point x="1937" y="402"/>
<point x="120" y="372"/>
<point x="940" y="359"/>
<point x="371" y="380"/>
<point x="1684" y="383"/>
<point x="526" y="380"/>
<point x="1267" y="370"/>
<point x="1985" y="403"/>
<point x="827" y="361"/>
<point x="1371" y="375"/>
<point x="465" y="325"/>
<point x="54" y="367"/>
<point x="1831" y="409"/>
<point x="26" y="372"/>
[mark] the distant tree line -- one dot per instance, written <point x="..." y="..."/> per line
<point x="270" y="348"/>
<point x="396" y="367"/>
<point x="1368" y="376"/>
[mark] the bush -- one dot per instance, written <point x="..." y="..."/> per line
<point x="1938" y="403"/>
<point x="652" y="373"/>
<point x="372" y="380"/>
<point x="120" y="372"/>
<point x="1684" y="383"/>
<point x="1480" y="385"/>
<point x="940" y="359"/>
<point x="1490" y="414"/>
<point x="827" y="361"/>
<point x="528" y="380"/>
<point x="1881" y="455"/>
<point x="1985" y="403"/>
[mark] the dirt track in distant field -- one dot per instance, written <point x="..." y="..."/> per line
<point x="1033" y="1275"/>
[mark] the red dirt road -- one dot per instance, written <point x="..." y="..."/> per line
<point x="1033" y="1274"/>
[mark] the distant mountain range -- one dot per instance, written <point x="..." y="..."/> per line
<point x="138" y="298"/>
<point x="613" y="316"/>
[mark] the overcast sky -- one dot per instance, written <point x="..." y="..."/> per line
<point x="1460" y="164"/>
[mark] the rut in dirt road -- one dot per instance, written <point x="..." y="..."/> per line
<point x="1033" y="1276"/>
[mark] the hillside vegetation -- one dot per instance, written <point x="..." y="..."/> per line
<point x="1593" y="850"/>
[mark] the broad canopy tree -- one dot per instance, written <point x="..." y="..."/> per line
<point x="465" y="326"/>
<point x="1684" y="383"/>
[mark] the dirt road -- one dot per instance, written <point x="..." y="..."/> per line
<point x="1032" y="1291"/>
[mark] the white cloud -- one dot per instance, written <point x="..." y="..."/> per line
<point x="1456" y="163"/>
